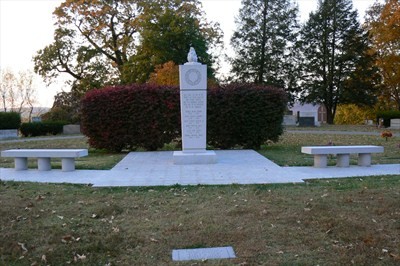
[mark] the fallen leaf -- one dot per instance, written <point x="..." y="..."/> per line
<point x="67" y="238"/>
<point x="22" y="245"/>
<point x="40" y="197"/>
<point x="153" y="240"/>
<point x="395" y="256"/>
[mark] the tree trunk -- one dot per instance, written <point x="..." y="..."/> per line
<point x="261" y="70"/>
<point x="329" y="116"/>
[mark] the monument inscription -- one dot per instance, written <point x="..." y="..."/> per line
<point x="193" y="118"/>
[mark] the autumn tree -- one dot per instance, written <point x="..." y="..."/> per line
<point x="383" y="23"/>
<point x="92" y="42"/>
<point x="336" y="62"/>
<point x="100" y="42"/>
<point x="165" y="74"/>
<point x="263" y="42"/>
<point x="167" y="30"/>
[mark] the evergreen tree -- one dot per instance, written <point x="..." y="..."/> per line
<point x="263" y="42"/>
<point x="335" y="57"/>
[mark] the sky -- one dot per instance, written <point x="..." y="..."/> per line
<point x="27" y="26"/>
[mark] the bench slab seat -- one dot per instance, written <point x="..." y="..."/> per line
<point x="343" y="154"/>
<point x="43" y="155"/>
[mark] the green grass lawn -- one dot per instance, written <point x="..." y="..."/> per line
<point x="328" y="222"/>
<point x="354" y="221"/>
<point x="287" y="152"/>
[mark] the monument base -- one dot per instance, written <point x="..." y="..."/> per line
<point x="206" y="157"/>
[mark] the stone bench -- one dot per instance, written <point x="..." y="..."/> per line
<point x="343" y="154"/>
<point x="43" y="155"/>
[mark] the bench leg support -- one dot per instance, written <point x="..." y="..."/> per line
<point x="21" y="163"/>
<point x="320" y="160"/>
<point x="68" y="164"/>
<point x="44" y="164"/>
<point x="364" y="159"/>
<point x="343" y="160"/>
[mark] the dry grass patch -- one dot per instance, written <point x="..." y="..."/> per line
<point x="327" y="222"/>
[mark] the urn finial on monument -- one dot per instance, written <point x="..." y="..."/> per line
<point x="192" y="57"/>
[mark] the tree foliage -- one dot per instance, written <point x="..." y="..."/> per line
<point x="101" y="42"/>
<point x="336" y="64"/>
<point x="66" y="107"/>
<point x="167" y="30"/>
<point x="165" y="74"/>
<point x="352" y="114"/>
<point x="383" y="23"/>
<point x="92" y="42"/>
<point x="263" y="43"/>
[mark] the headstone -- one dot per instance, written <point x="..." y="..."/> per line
<point x="395" y="123"/>
<point x="8" y="133"/>
<point x="193" y="96"/>
<point x="289" y="120"/>
<point x="306" y="121"/>
<point x="71" y="129"/>
<point x="36" y="119"/>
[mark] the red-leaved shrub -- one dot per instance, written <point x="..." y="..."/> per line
<point x="148" y="116"/>
<point x="244" y="114"/>
<point x="131" y="116"/>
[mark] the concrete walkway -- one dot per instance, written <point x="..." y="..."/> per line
<point x="157" y="169"/>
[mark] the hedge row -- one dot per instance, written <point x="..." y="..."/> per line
<point x="387" y="115"/>
<point x="244" y="114"/>
<point x="10" y="120"/>
<point x="41" y="128"/>
<point x="128" y="117"/>
<point x="148" y="116"/>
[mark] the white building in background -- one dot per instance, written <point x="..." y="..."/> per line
<point x="317" y="111"/>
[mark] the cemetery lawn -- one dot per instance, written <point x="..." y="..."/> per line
<point x="326" y="222"/>
<point x="287" y="152"/>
